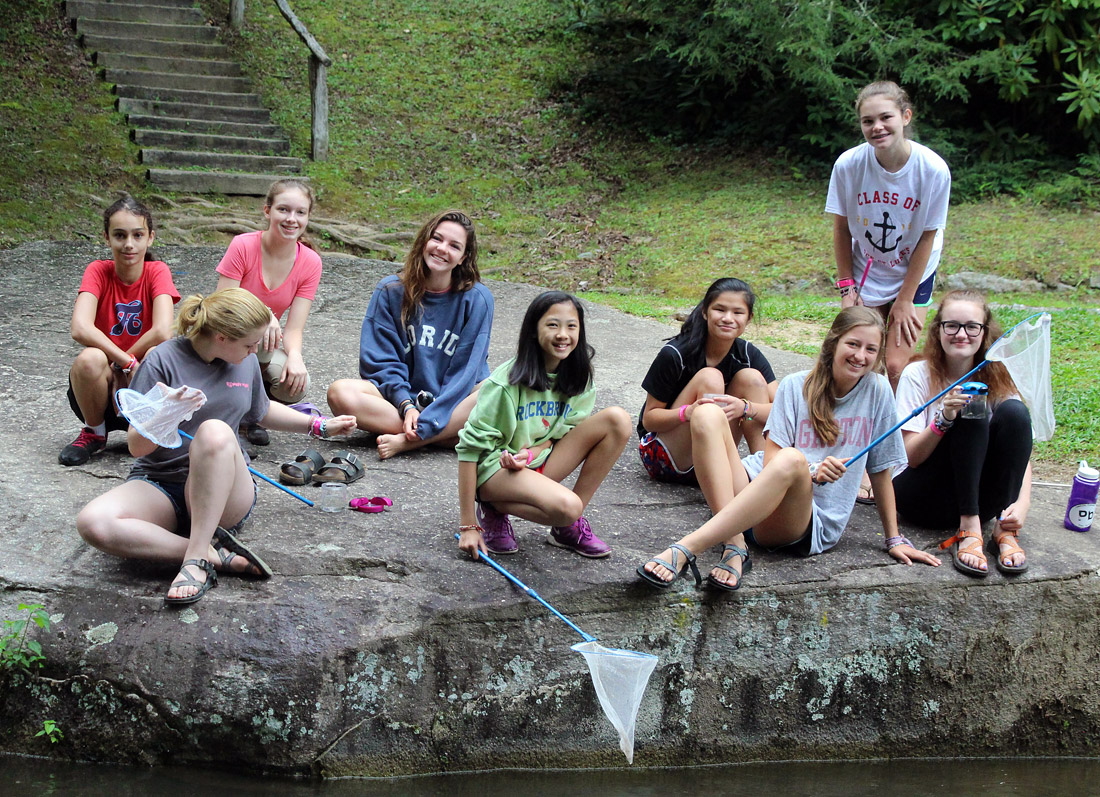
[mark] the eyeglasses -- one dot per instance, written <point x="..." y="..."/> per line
<point x="973" y="329"/>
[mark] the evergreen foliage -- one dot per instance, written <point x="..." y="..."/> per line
<point x="1013" y="84"/>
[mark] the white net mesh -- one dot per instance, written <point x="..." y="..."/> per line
<point x="156" y="415"/>
<point x="1025" y="352"/>
<point x="620" y="678"/>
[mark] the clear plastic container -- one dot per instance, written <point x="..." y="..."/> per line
<point x="977" y="406"/>
<point x="334" y="497"/>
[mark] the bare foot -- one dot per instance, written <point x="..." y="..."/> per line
<point x="390" y="445"/>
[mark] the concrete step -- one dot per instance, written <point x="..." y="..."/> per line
<point x="205" y="141"/>
<point x="197" y="182"/>
<point x="169" y="80"/>
<point x="221" y="161"/>
<point x="147" y="31"/>
<point x="225" y="99"/>
<point x="216" y="128"/>
<point x="124" y="44"/>
<point x="134" y="12"/>
<point x="186" y="110"/>
<point x="179" y="66"/>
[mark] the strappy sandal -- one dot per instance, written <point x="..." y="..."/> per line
<point x="227" y="546"/>
<point x="1010" y="538"/>
<point x="728" y="552"/>
<point x="674" y="566"/>
<point x="190" y="581"/>
<point x="978" y="553"/>
<point x="301" y="470"/>
<point x="343" y="467"/>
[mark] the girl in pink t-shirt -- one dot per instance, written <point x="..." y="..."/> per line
<point x="281" y="269"/>
<point x="123" y="309"/>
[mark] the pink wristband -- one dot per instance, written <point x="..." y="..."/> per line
<point x="935" y="429"/>
<point x="683" y="409"/>
<point x="845" y="283"/>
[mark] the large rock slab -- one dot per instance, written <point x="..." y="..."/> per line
<point x="378" y="650"/>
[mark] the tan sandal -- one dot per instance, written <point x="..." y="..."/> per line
<point x="1011" y="539"/>
<point x="961" y="536"/>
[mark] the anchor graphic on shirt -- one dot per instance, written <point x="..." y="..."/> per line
<point x="886" y="228"/>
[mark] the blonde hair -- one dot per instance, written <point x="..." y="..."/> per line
<point x="233" y="312"/>
<point x="818" y="389"/>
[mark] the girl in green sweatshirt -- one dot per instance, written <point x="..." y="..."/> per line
<point x="532" y="426"/>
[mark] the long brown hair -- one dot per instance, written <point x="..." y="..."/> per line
<point x="994" y="374"/>
<point x="414" y="276"/>
<point x="818" y="389"/>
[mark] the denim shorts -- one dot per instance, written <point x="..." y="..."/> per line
<point x="800" y="547"/>
<point x="174" y="492"/>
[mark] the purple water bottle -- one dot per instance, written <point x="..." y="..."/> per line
<point x="1082" y="498"/>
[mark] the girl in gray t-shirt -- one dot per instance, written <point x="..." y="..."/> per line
<point x="797" y="494"/>
<point x="169" y="511"/>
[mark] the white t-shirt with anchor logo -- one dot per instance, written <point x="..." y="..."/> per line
<point x="887" y="212"/>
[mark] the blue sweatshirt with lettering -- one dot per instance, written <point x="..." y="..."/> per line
<point x="444" y="349"/>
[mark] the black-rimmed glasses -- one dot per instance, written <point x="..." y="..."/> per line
<point x="973" y="329"/>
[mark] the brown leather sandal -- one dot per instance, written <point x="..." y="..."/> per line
<point x="978" y="553"/>
<point x="1011" y="539"/>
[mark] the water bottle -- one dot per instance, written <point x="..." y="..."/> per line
<point x="1082" y="498"/>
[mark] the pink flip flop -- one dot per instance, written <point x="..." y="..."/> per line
<point x="371" y="505"/>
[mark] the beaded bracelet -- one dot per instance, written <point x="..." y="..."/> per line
<point x="472" y="527"/>
<point x="748" y="414"/>
<point x="894" y="542"/>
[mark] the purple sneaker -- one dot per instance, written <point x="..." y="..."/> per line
<point x="579" y="539"/>
<point x="496" y="529"/>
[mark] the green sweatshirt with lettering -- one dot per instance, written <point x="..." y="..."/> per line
<point x="513" y="417"/>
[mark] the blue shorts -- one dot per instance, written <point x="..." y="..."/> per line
<point x="922" y="298"/>
<point x="174" y="492"/>
<point x="800" y="547"/>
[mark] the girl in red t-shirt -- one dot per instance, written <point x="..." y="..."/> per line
<point x="123" y="309"/>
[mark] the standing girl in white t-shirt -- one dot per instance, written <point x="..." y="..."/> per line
<point x="889" y="199"/>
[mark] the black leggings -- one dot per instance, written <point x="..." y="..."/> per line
<point x="976" y="469"/>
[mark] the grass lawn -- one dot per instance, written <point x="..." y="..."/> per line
<point x="435" y="104"/>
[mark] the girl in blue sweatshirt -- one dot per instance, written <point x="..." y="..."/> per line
<point x="532" y="427"/>
<point x="425" y="343"/>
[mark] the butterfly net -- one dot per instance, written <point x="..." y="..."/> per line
<point x="620" y="678"/>
<point x="156" y="415"/>
<point x="1025" y="352"/>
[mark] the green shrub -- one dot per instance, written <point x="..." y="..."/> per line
<point x="994" y="81"/>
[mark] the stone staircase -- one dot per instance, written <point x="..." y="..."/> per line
<point x="199" y="126"/>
